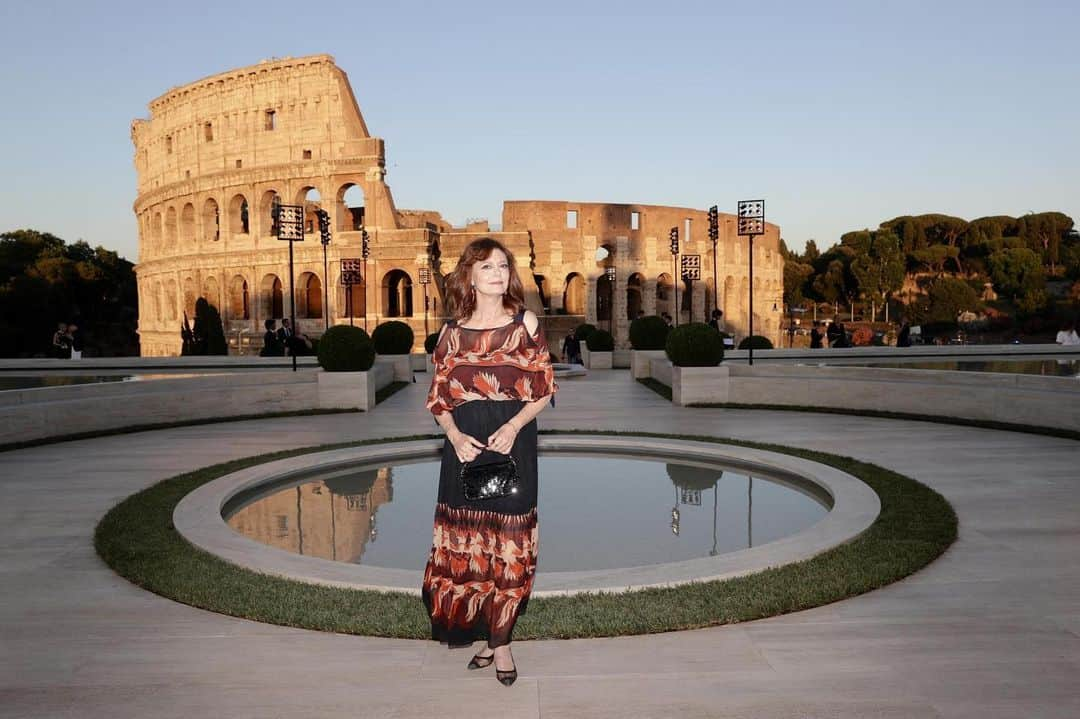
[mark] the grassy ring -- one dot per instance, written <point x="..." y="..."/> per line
<point x="136" y="538"/>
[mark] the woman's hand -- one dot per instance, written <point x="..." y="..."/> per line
<point x="503" y="439"/>
<point x="466" y="447"/>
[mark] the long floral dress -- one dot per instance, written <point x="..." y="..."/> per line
<point x="483" y="555"/>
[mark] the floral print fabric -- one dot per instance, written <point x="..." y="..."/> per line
<point x="501" y="363"/>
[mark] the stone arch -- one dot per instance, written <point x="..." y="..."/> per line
<point x="665" y="295"/>
<point x="271" y="298"/>
<point x="310" y="199"/>
<point x="266" y="205"/>
<point x="309" y="297"/>
<point x="211" y="220"/>
<point x="239" y="299"/>
<point x="171" y="227"/>
<point x="349" y="207"/>
<point x="605" y="295"/>
<point x="157" y="228"/>
<point x="159" y="302"/>
<point x="397" y="294"/>
<point x="574" y="295"/>
<point x="239" y="215"/>
<point x="635" y="301"/>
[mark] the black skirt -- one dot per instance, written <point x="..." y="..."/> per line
<point x="483" y="558"/>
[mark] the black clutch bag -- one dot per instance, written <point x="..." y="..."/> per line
<point x="490" y="481"/>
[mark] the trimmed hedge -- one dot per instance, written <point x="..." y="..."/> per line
<point x="694" y="345"/>
<point x="346" y="349"/>
<point x="759" y="342"/>
<point x="648" y="333"/>
<point x="393" y="338"/>
<point x="430" y="341"/>
<point x="582" y="332"/>
<point x="600" y="341"/>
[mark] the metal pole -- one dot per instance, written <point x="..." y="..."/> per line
<point x="715" y="289"/>
<point x="426" y="331"/>
<point x="326" y="287"/>
<point x="292" y="308"/>
<point x="675" y="285"/>
<point x="349" y="303"/>
<point x="750" y="337"/>
<point x="367" y="276"/>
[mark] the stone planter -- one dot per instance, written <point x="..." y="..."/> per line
<point x="597" y="360"/>
<point x="401" y="366"/>
<point x="661" y="370"/>
<point x="419" y="361"/>
<point x="699" y="385"/>
<point x="353" y="390"/>
<point x="640" y="361"/>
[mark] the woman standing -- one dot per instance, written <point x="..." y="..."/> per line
<point x="493" y="375"/>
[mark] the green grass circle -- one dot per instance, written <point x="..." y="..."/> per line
<point x="138" y="540"/>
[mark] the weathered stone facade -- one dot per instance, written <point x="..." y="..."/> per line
<point x="215" y="154"/>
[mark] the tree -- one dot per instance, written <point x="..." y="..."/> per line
<point x="949" y="297"/>
<point x="795" y="276"/>
<point x="811" y="253"/>
<point x="1018" y="273"/>
<point x="1043" y="232"/>
<point x="877" y="265"/>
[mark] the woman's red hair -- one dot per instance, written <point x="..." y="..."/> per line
<point x="460" y="297"/>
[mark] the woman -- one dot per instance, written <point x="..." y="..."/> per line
<point x="493" y="375"/>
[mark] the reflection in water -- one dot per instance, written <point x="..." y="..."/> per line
<point x="331" y="519"/>
<point x="596" y="512"/>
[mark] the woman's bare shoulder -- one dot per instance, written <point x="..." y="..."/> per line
<point x="530" y="320"/>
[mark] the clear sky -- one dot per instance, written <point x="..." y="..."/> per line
<point x="840" y="114"/>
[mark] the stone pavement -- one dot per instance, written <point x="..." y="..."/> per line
<point x="992" y="629"/>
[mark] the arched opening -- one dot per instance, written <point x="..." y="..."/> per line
<point x="311" y="200"/>
<point x="210" y="291"/>
<point x="356" y="299"/>
<point x="211" y="220"/>
<point x="604" y="293"/>
<point x="309" y="303"/>
<point x="544" y="291"/>
<point x="350" y="208"/>
<point x="665" y="296"/>
<point x="171" y="301"/>
<point x="239" y="219"/>
<point x="397" y="294"/>
<point x="266" y="205"/>
<point x="187" y="224"/>
<point x="170" y="227"/>
<point x="271" y="298"/>
<point x="574" y="294"/>
<point x="156" y="228"/>
<point x="159" y="302"/>
<point x="191" y="294"/>
<point x="634" y="303"/>
<point x="239" y="303"/>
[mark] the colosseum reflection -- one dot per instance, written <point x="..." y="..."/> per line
<point x="215" y="155"/>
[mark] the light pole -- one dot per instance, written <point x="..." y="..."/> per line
<point x="609" y="273"/>
<point x="714" y="235"/>
<point x="365" y="252"/>
<point x="324" y="238"/>
<point x="751" y="217"/>
<point x="674" y="237"/>
<point x="289" y="223"/>
<point x="425" y="280"/>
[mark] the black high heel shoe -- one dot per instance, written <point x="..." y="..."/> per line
<point x="506" y="678"/>
<point x="479" y="662"/>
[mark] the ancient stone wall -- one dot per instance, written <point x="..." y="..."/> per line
<point x="215" y="155"/>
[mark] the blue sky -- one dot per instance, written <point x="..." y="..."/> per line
<point x="839" y="114"/>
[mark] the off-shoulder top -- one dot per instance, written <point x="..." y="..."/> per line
<point x="499" y="363"/>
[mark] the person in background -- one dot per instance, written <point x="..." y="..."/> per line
<point x="903" y="338"/>
<point x="832" y="332"/>
<point x="571" y="347"/>
<point x="61" y="343"/>
<point x="271" y="346"/>
<point x="816" y="336"/>
<point x="75" y="336"/>
<point x="717" y="321"/>
<point x="1067" y="336"/>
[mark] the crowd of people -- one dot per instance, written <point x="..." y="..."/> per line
<point x="282" y="341"/>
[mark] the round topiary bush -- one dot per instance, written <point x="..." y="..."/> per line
<point x="759" y="343"/>
<point x="346" y="349"/>
<point x="393" y="338"/>
<point x="430" y="342"/>
<point x="648" y="333"/>
<point x="583" y="331"/>
<point x="600" y="341"/>
<point x="694" y="345"/>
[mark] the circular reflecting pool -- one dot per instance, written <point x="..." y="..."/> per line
<point x="596" y="512"/>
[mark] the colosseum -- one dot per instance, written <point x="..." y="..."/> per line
<point x="215" y="156"/>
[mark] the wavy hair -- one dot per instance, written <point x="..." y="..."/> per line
<point x="460" y="296"/>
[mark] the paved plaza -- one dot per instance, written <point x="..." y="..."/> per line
<point x="991" y="629"/>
